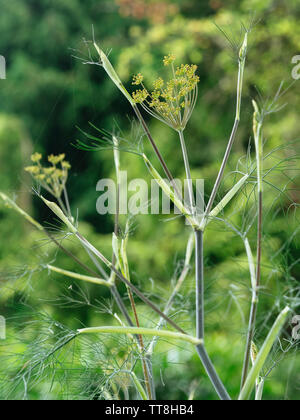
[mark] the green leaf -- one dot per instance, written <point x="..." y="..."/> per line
<point x="112" y="73"/>
<point x="60" y="214"/>
<point x="223" y="203"/>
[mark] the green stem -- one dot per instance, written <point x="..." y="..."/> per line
<point x="81" y="277"/>
<point x="212" y="374"/>
<point x="259" y="389"/>
<point x="199" y="285"/>
<point x="121" y="305"/>
<point x="242" y="61"/>
<point x="63" y="207"/>
<point x="139" y="386"/>
<point x="188" y="172"/>
<point x="140" y="331"/>
<point x="67" y="201"/>
<point x="263" y="354"/>
<point x="255" y="288"/>
<point x="200" y="321"/>
<point x="156" y="150"/>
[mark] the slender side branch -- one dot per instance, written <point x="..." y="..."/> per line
<point x="188" y="173"/>
<point x="258" y="137"/>
<point x="242" y="61"/>
<point x="155" y="148"/>
<point x="78" y="276"/>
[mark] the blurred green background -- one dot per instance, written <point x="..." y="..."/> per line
<point x="48" y="93"/>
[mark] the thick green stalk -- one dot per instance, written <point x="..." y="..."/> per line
<point x="139" y="386"/>
<point x="259" y="389"/>
<point x="263" y="354"/>
<point x="200" y="321"/>
<point x="144" y="331"/>
<point x="212" y="374"/>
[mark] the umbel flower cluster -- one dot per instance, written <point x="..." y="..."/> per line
<point x="53" y="178"/>
<point x="171" y="101"/>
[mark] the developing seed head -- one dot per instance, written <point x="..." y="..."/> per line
<point x="171" y="101"/>
<point x="56" y="159"/>
<point x="138" y="79"/>
<point x="169" y="59"/>
<point x="66" y="165"/>
<point x="52" y="178"/>
<point x="140" y="96"/>
<point x="36" y="157"/>
<point x="33" y="170"/>
<point x="158" y="84"/>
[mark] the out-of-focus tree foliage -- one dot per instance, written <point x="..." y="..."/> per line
<point x="48" y="93"/>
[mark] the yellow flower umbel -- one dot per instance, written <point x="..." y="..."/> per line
<point x="173" y="101"/>
<point x="52" y="178"/>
